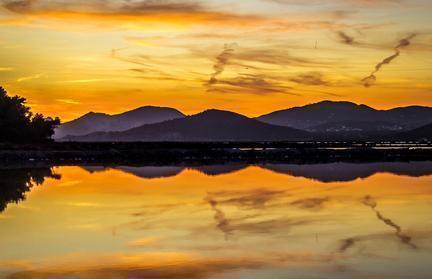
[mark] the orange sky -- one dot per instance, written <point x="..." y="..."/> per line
<point x="252" y="57"/>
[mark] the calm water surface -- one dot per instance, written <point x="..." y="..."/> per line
<point x="335" y="220"/>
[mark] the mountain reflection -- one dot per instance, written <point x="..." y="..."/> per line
<point x="16" y="182"/>
<point x="151" y="172"/>
<point x="345" y="172"/>
<point x="326" y="172"/>
<point x="218" y="221"/>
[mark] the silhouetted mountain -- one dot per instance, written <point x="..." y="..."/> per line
<point x="329" y="115"/>
<point x="210" y="125"/>
<point x="422" y="133"/>
<point x="355" y="130"/>
<point x="355" y="127"/>
<point x="213" y="170"/>
<point x="151" y="172"/>
<point x="100" y="122"/>
<point x="343" y="172"/>
<point x="323" y="172"/>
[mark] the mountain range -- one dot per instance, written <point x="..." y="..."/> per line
<point x="210" y="125"/>
<point x="101" y="122"/>
<point x="326" y="120"/>
<point x="331" y="116"/>
<point x="323" y="172"/>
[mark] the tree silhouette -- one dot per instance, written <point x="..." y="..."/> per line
<point x="14" y="183"/>
<point x="18" y="124"/>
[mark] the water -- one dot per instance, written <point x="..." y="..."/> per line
<point x="335" y="220"/>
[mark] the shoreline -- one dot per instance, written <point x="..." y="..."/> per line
<point x="67" y="153"/>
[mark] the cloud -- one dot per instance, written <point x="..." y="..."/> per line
<point x="405" y="239"/>
<point x="221" y="60"/>
<point x="371" y="79"/>
<point x="311" y="203"/>
<point x="18" y="5"/>
<point x="148" y="68"/>
<point x="144" y="242"/>
<point x="311" y="78"/>
<point x="155" y="15"/>
<point x="26" y="78"/>
<point x="115" y="51"/>
<point x="254" y="76"/>
<point x="270" y="226"/>
<point x="6" y="69"/>
<point x="222" y="222"/>
<point x="369" y="201"/>
<point x="68" y="101"/>
<point x="84" y="80"/>
<point x="166" y="265"/>
<point x="252" y="199"/>
<point x="345" y="38"/>
<point x="120" y="8"/>
<point x="361" y="3"/>
<point x="250" y="220"/>
<point x="250" y="84"/>
<point x="278" y="55"/>
<point x="143" y="14"/>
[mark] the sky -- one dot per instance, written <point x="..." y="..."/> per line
<point x="253" y="56"/>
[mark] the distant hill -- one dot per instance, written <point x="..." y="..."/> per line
<point x="422" y="133"/>
<point x="100" y="122"/>
<point x="355" y="130"/>
<point x="152" y="172"/>
<point x="323" y="172"/>
<point x="343" y="172"/>
<point x="210" y="125"/>
<point x="328" y="116"/>
<point x="325" y="120"/>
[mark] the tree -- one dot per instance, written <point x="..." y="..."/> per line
<point x="19" y="125"/>
<point x="16" y="182"/>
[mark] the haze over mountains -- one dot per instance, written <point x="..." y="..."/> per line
<point x="325" y="120"/>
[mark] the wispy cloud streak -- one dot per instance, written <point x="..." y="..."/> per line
<point x="405" y="239"/>
<point x="222" y="222"/>
<point x="221" y="60"/>
<point x="345" y="38"/>
<point x="371" y="79"/>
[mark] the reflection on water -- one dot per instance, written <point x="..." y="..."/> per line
<point x="338" y="220"/>
<point x="16" y="182"/>
<point x="329" y="172"/>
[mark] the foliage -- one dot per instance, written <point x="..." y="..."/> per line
<point x="19" y="125"/>
<point x="15" y="183"/>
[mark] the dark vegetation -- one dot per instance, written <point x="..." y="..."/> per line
<point x="15" y="183"/>
<point x="19" y="125"/>
<point x="424" y="132"/>
<point x="162" y="153"/>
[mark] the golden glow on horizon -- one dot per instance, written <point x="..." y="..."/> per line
<point x="112" y="56"/>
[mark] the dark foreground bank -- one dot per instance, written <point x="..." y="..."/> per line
<point x="171" y="153"/>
